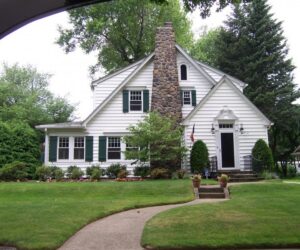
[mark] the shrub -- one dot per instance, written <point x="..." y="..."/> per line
<point x="96" y="174"/>
<point x="199" y="157"/>
<point x="74" y="172"/>
<point x="262" y="158"/>
<point x="267" y="175"/>
<point x="123" y="173"/>
<point x="160" y="173"/>
<point x="142" y="171"/>
<point x="14" y="171"/>
<point x="291" y="171"/>
<point x="43" y="173"/>
<point x="89" y="170"/>
<point x="113" y="170"/>
<point x="180" y="173"/>
<point x="58" y="174"/>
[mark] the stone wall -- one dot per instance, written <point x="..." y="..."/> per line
<point x="166" y="92"/>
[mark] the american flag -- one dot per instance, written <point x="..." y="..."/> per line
<point x="192" y="134"/>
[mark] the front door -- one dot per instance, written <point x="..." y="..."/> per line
<point x="227" y="150"/>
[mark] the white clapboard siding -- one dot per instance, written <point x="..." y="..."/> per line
<point x="195" y="81"/>
<point x="225" y="95"/>
<point x="105" y="88"/>
<point x="111" y="120"/>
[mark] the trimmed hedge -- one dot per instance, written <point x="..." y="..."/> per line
<point x="199" y="157"/>
<point x="14" y="171"/>
<point x="262" y="158"/>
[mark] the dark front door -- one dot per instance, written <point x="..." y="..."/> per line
<point x="227" y="147"/>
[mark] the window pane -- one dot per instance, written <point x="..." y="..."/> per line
<point x="63" y="153"/>
<point x="183" y="72"/>
<point x="63" y="142"/>
<point x="114" y="148"/>
<point x="79" y="142"/>
<point x="78" y="153"/>
<point x="186" y="97"/>
<point x="136" y="100"/>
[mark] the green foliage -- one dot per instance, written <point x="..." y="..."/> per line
<point x="291" y="171"/>
<point x="159" y="138"/>
<point x="43" y="173"/>
<point x="267" y="175"/>
<point x="57" y="173"/>
<point x="122" y="32"/>
<point x="262" y="158"/>
<point x="90" y="170"/>
<point x="160" y="173"/>
<point x="18" y="142"/>
<point x="96" y="174"/>
<point x="142" y="171"/>
<point x="199" y="157"/>
<point x="14" y="171"/>
<point x="24" y="97"/>
<point x="123" y="173"/>
<point x="180" y="173"/>
<point x="74" y="172"/>
<point x="114" y="169"/>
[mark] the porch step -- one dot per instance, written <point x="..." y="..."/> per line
<point x="246" y="179"/>
<point x="211" y="192"/>
<point x="211" y="195"/>
<point x="240" y="176"/>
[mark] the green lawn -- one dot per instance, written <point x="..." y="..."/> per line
<point x="44" y="215"/>
<point x="258" y="215"/>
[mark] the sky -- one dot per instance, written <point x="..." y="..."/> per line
<point x="34" y="44"/>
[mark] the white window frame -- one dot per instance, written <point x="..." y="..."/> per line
<point x="142" y="100"/>
<point x="74" y="147"/>
<point x="190" y="96"/>
<point x="58" y="147"/>
<point x="107" y="148"/>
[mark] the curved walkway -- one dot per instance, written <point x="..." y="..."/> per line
<point x="122" y="231"/>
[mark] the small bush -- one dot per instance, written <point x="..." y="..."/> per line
<point x="142" y="171"/>
<point x="43" y="173"/>
<point x="123" y="174"/>
<point x="262" y="158"/>
<point x="58" y="174"/>
<point x="89" y="170"/>
<point x="199" y="157"/>
<point x="113" y="170"/>
<point x="74" y="172"/>
<point x="14" y="171"/>
<point x="291" y="171"/>
<point x="267" y="175"/>
<point x="160" y="173"/>
<point x="180" y="173"/>
<point x="96" y="174"/>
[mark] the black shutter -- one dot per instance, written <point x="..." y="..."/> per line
<point x="102" y="148"/>
<point x="146" y="100"/>
<point x="194" y="100"/>
<point x="89" y="148"/>
<point x="125" y="101"/>
<point x="53" y="148"/>
<point x="181" y="97"/>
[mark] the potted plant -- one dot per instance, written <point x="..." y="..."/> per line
<point x="196" y="180"/>
<point x="223" y="180"/>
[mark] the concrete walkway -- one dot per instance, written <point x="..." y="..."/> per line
<point x="122" y="231"/>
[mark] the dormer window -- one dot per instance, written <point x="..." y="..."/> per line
<point x="183" y="72"/>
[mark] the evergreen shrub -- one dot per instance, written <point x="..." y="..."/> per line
<point x="43" y="173"/>
<point x="262" y="158"/>
<point x="74" y="172"/>
<point x="14" y="171"/>
<point x="142" y="171"/>
<point x="160" y="173"/>
<point x="113" y="170"/>
<point x="90" y="170"/>
<point x="199" y="157"/>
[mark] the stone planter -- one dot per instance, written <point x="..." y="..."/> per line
<point x="196" y="183"/>
<point x="223" y="184"/>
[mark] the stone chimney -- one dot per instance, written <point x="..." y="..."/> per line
<point x="165" y="91"/>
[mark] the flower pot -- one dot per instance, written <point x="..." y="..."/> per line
<point x="223" y="184"/>
<point x="196" y="183"/>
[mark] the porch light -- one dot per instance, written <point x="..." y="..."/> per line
<point x="241" y="129"/>
<point x="212" y="129"/>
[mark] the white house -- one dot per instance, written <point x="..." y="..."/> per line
<point x="172" y="82"/>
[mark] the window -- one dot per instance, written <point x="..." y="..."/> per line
<point x="225" y="125"/>
<point x="183" y="72"/>
<point x="79" y="148"/>
<point x="63" y="148"/>
<point x="186" y="97"/>
<point x="114" y="148"/>
<point x="131" y="148"/>
<point x="135" y="100"/>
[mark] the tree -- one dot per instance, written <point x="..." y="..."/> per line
<point x="122" y="32"/>
<point x="199" y="157"/>
<point x="156" y="139"/>
<point x="24" y="97"/>
<point x="252" y="48"/>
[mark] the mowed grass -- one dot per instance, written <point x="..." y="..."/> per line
<point x="44" y="215"/>
<point x="258" y="215"/>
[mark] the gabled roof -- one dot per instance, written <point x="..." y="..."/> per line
<point x="214" y="89"/>
<point x="193" y="62"/>
<point x="106" y="77"/>
<point x="116" y="90"/>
